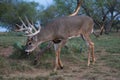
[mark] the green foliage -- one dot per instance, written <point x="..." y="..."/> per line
<point x="97" y="9"/>
<point x="29" y="10"/>
<point x="19" y="46"/>
<point x="48" y="14"/>
<point x="11" y="11"/>
<point x="19" y="52"/>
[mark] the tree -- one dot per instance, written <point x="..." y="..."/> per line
<point x="11" y="11"/>
<point x="103" y="12"/>
<point x="58" y="10"/>
<point x="48" y="14"/>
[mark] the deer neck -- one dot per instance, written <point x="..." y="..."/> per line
<point x="45" y="35"/>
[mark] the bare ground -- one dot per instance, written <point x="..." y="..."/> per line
<point x="7" y="51"/>
<point x="73" y="69"/>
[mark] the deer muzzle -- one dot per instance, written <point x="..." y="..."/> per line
<point x="29" y="49"/>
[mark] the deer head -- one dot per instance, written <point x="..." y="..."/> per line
<point x="30" y="31"/>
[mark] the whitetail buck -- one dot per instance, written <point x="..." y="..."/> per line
<point x="59" y="31"/>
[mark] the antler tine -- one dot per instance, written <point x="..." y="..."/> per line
<point x="21" y="27"/>
<point x="23" y="22"/>
<point x="27" y="21"/>
<point x="24" y="29"/>
<point x="30" y="24"/>
<point x="39" y="28"/>
<point x="33" y="28"/>
<point x="27" y="30"/>
<point x="34" y="33"/>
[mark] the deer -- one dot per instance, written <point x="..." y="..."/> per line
<point x="59" y="31"/>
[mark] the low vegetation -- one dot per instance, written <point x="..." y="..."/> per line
<point x="19" y="66"/>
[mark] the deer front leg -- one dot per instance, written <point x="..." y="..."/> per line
<point x="58" y="62"/>
<point x="63" y="42"/>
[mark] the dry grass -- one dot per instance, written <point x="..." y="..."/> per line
<point x="107" y="67"/>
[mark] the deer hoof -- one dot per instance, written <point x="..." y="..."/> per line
<point x="88" y="64"/>
<point x="55" y="70"/>
<point x="93" y="62"/>
<point x="61" y="67"/>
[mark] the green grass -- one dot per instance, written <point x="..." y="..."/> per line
<point x="8" y="66"/>
<point x="109" y="42"/>
<point x="8" y="39"/>
<point x="76" y="52"/>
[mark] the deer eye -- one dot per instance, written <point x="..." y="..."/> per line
<point x="29" y="43"/>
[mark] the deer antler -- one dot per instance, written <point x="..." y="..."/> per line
<point x="29" y="30"/>
<point x="30" y="23"/>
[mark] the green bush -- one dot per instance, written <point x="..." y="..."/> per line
<point x="19" y="52"/>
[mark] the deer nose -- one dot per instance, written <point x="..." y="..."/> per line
<point x="27" y="50"/>
<point x="27" y="53"/>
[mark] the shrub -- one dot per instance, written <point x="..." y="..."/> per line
<point x="19" y="52"/>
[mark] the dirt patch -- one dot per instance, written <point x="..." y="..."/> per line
<point x="31" y="74"/>
<point x="6" y="51"/>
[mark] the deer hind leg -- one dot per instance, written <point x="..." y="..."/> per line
<point x="90" y="45"/>
<point x="92" y="53"/>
